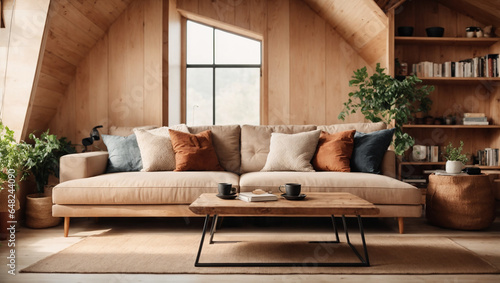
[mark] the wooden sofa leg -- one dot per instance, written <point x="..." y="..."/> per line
<point x="66" y="226"/>
<point x="401" y="225"/>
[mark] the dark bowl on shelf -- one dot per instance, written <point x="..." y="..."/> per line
<point x="435" y="31"/>
<point x="405" y="31"/>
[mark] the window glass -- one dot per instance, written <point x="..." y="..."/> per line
<point x="235" y="49"/>
<point x="199" y="97"/>
<point x="200" y="44"/>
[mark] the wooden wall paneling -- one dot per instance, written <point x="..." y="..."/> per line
<point x="220" y="10"/>
<point x="64" y="9"/>
<point x="64" y="48"/>
<point x="188" y="5"/>
<point x="98" y="90"/>
<point x="71" y="35"/>
<point x="126" y="63"/>
<point x="47" y="98"/>
<point x="58" y="68"/>
<point x="48" y="82"/>
<point x="242" y="10"/>
<point x="307" y="65"/>
<point x="258" y="16"/>
<point x="64" y="121"/>
<point x="278" y="49"/>
<point x="101" y="13"/>
<point x="82" y="100"/>
<point x="153" y="50"/>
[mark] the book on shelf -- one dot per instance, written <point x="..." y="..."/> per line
<point x="474" y="115"/>
<point x="444" y="173"/>
<point x="473" y="123"/>
<point x="475" y="119"/>
<point x="487" y="157"/>
<point x="250" y="197"/>
<point x="476" y="67"/>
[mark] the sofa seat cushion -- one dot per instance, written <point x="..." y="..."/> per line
<point x="377" y="189"/>
<point x="163" y="187"/>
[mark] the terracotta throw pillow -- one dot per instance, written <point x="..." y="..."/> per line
<point x="334" y="151"/>
<point x="194" y="152"/>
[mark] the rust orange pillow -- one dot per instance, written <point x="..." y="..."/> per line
<point x="194" y="152"/>
<point x="334" y="151"/>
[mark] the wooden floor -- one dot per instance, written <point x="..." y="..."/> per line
<point x="35" y="244"/>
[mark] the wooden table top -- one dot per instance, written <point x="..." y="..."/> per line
<point x="315" y="204"/>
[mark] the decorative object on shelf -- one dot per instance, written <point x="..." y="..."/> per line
<point x="94" y="136"/>
<point x="455" y="159"/>
<point x="405" y="31"/>
<point x="383" y="98"/>
<point x="419" y="153"/>
<point x="434" y="31"/>
<point x="470" y="31"/>
<point x="487" y="31"/>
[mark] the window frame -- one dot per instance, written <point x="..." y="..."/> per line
<point x="226" y="28"/>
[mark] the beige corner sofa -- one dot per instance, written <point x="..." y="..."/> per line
<point x="86" y="191"/>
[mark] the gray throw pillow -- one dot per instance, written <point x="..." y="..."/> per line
<point x="369" y="150"/>
<point x="124" y="153"/>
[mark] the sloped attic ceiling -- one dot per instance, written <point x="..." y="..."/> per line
<point x="73" y="28"/>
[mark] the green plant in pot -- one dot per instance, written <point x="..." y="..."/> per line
<point x="382" y="98"/>
<point x="455" y="159"/>
<point x="43" y="161"/>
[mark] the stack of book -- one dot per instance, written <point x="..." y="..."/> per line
<point x="250" y="197"/>
<point x="487" y="157"/>
<point x="482" y="66"/>
<point x="475" y="119"/>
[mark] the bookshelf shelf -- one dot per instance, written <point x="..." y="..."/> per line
<point x="460" y="81"/>
<point x="451" y="126"/>
<point x="484" y="41"/>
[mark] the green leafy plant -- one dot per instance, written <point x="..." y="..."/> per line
<point x="455" y="153"/>
<point x="43" y="158"/>
<point x="382" y="98"/>
<point x="13" y="156"/>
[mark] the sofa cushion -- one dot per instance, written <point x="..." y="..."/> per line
<point x="359" y="127"/>
<point x="334" y="151"/>
<point x="255" y="142"/>
<point x="127" y="131"/>
<point x="161" y="187"/>
<point x="124" y="153"/>
<point x="156" y="149"/>
<point x="377" y="189"/>
<point x="194" y="152"/>
<point x="369" y="150"/>
<point x="292" y="152"/>
<point x="226" y="141"/>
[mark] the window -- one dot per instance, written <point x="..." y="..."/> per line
<point x="223" y="73"/>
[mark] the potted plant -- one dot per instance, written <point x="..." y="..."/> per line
<point x="381" y="97"/>
<point x="455" y="159"/>
<point x="43" y="161"/>
<point x="13" y="169"/>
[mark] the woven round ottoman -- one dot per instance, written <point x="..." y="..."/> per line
<point x="464" y="202"/>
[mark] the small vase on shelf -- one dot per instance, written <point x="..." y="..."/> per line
<point x="454" y="167"/>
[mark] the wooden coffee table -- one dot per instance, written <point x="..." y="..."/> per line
<point x="315" y="204"/>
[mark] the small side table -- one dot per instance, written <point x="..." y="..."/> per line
<point x="464" y="202"/>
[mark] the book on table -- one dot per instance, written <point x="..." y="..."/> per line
<point x="250" y="197"/>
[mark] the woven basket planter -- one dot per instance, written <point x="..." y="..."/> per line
<point x="460" y="202"/>
<point x="39" y="211"/>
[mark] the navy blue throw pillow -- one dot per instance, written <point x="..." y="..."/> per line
<point x="124" y="153"/>
<point x="369" y="150"/>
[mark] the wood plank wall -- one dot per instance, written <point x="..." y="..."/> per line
<point x="308" y="64"/>
<point x="119" y="83"/>
<point x="307" y="67"/>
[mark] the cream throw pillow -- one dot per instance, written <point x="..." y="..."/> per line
<point x="157" y="153"/>
<point x="292" y="152"/>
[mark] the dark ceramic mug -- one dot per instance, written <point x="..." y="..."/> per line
<point x="291" y="189"/>
<point x="226" y="189"/>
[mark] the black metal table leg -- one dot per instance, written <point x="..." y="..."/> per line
<point x="363" y="261"/>
<point x="336" y="235"/>
<point x="213" y="228"/>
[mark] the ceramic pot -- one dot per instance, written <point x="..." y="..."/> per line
<point x="454" y="167"/>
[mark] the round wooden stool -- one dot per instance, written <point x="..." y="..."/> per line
<point x="464" y="202"/>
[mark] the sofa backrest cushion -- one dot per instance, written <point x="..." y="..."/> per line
<point x="255" y="142"/>
<point x="359" y="127"/>
<point x="226" y="141"/>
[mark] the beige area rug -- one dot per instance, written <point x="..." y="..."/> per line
<point x="175" y="252"/>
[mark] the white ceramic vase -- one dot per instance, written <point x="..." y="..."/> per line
<point x="453" y="167"/>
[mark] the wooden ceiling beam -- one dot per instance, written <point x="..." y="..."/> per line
<point x="484" y="11"/>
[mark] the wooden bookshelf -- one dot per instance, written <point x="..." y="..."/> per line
<point x="411" y="40"/>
